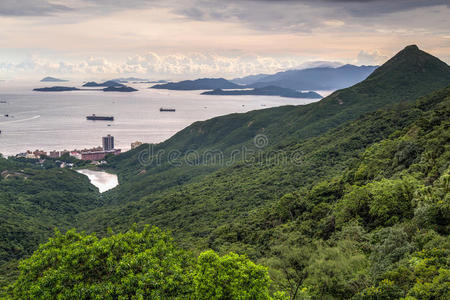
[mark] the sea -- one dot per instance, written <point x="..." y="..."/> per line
<point x="31" y="120"/>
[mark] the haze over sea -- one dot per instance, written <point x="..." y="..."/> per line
<point x="57" y="120"/>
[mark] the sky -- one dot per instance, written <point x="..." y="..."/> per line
<point x="184" y="39"/>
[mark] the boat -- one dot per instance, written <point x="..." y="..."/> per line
<point x="99" y="118"/>
<point x="167" y="109"/>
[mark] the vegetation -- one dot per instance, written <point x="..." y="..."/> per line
<point x="134" y="265"/>
<point x="35" y="199"/>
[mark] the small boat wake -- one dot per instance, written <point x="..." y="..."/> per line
<point x="21" y="120"/>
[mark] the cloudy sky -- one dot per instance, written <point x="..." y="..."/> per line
<point x="174" y="39"/>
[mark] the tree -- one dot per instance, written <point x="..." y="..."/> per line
<point x="229" y="277"/>
<point x="134" y="265"/>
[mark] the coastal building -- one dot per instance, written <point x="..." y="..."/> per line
<point x="135" y="144"/>
<point x="30" y="155"/>
<point x="98" y="155"/>
<point x="75" y="154"/>
<point x="108" y="142"/>
<point x="54" y="154"/>
<point x="21" y="155"/>
<point x="39" y="153"/>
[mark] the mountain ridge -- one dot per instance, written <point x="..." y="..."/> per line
<point x="198" y="84"/>
<point x="315" y="78"/>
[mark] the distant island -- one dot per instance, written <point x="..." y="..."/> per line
<point x="123" y="88"/>
<point x="106" y="83"/>
<point x="199" y="84"/>
<point x="267" y="91"/>
<point x="56" y="89"/>
<point x="116" y="88"/>
<point x="52" y="79"/>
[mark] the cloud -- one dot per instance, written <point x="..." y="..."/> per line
<point x="193" y="38"/>
<point x="370" y="58"/>
<point x="364" y="8"/>
<point x="199" y="64"/>
<point x="154" y="65"/>
<point x="30" y="8"/>
<point x="300" y="15"/>
<point x="291" y="15"/>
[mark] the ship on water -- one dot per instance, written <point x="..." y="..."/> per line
<point x="167" y="109"/>
<point x="99" y="118"/>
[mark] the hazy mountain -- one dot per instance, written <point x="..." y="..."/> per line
<point x="106" y="83"/>
<point x="318" y="64"/>
<point x="307" y="65"/>
<point x="199" y="84"/>
<point x="318" y="78"/>
<point x="250" y="79"/>
<point x="52" y="79"/>
<point x="266" y="91"/>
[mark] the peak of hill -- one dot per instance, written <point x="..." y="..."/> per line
<point x="413" y="67"/>
<point x="199" y="84"/>
<point x="411" y="73"/>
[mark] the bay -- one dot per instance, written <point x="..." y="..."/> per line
<point x="57" y="120"/>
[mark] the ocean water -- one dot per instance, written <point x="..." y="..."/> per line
<point x="102" y="180"/>
<point x="57" y="120"/>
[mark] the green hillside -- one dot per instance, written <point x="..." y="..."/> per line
<point x="151" y="187"/>
<point x="33" y="201"/>
<point x="410" y="74"/>
<point x="195" y="207"/>
<point x="368" y="199"/>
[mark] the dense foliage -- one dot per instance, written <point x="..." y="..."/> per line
<point x="34" y="199"/>
<point x="134" y="265"/>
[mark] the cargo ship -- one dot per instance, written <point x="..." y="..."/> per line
<point x="166" y="109"/>
<point x="99" y="118"/>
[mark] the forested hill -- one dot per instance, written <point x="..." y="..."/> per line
<point x="192" y="197"/>
<point x="363" y="214"/>
<point x="34" y="200"/>
<point x="408" y="75"/>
